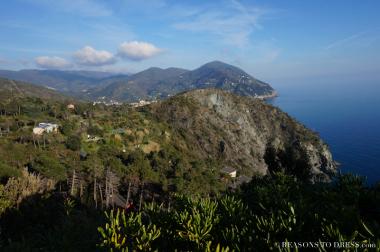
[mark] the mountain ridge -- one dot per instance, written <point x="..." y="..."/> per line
<point x="149" y="84"/>
<point x="10" y="89"/>
<point x="161" y="83"/>
<point x="68" y="82"/>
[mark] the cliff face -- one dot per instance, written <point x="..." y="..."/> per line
<point x="246" y="133"/>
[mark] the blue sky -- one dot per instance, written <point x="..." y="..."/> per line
<point x="272" y="40"/>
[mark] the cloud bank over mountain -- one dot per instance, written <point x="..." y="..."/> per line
<point x="89" y="56"/>
<point x="138" y="50"/>
<point x="52" y="62"/>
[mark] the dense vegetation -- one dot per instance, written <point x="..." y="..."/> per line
<point x="93" y="139"/>
<point x="258" y="217"/>
<point x="165" y="148"/>
<point x="267" y="211"/>
<point x="160" y="166"/>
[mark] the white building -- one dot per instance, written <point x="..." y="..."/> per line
<point x="141" y="103"/>
<point x="229" y="171"/>
<point x="38" y="131"/>
<point x="71" y="106"/>
<point x="45" y="127"/>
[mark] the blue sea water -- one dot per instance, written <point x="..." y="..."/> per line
<point x="347" y="117"/>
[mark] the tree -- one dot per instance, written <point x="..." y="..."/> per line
<point x="7" y="171"/>
<point x="139" y="165"/>
<point x="49" y="167"/>
<point x="67" y="128"/>
<point x="95" y="130"/>
<point x="73" y="142"/>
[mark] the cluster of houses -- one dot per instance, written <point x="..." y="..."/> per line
<point x="102" y="100"/>
<point x="141" y="103"/>
<point x="45" y="128"/>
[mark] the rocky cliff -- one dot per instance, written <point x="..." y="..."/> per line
<point x="246" y="133"/>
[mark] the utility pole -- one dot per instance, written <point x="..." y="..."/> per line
<point x="141" y="196"/>
<point x="44" y="138"/>
<point x="95" y="199"/>
<point x="73" y="183"/>
<point x="101" y="195"/>
<point x="129" y="191"/>
<point x="106" y="192"/>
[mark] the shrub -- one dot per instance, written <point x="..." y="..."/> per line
<point x="127" y="232"/>
<point x="49" y="167"/>
<point x="67" y="128"/>
<point x="95" y="130"/>
<point x="73" y="142"/>
<point x="7" y="171"/>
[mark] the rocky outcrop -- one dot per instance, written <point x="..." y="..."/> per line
<point x="246" y="133"/>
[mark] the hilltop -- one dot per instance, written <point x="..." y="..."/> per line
<point x="162" y="83"/>
<point x="148" y="84"/>
<point x="10" y="89"/>
<point x="69" y="82"/>
<point x="152" y="83"/>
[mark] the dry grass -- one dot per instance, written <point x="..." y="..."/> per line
<point x="26" y="185"/>
<point x="151" y="146"/>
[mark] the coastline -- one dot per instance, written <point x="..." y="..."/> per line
<point x="268" y="96"/>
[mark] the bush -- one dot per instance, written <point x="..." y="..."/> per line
<point x="7" y="171"/>
<point x="67" y="128"/>
<point x="95" y="130"/>
<point x="49" y="167"/>
<point x="267" y="211"/>
<point x="128" y="233"/>
<point x="73" y="142"/>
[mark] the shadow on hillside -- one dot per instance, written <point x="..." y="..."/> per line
<point x="50" y="222"/>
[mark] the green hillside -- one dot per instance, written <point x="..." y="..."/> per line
<point x="163" y="166"/>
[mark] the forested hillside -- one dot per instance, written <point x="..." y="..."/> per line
<point x="163" y="167"/>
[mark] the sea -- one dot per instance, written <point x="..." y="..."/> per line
<point x="347" y="117"/>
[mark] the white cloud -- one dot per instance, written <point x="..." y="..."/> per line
<point x="52" y="62"/>
<point x="138" y="50"/>
<point x="88" y="56"/>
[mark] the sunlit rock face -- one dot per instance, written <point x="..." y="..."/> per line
<point x="257" y="138"/>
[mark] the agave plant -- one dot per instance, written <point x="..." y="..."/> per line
<point x="197" y="222"/>
<point x="127" y="232"/>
